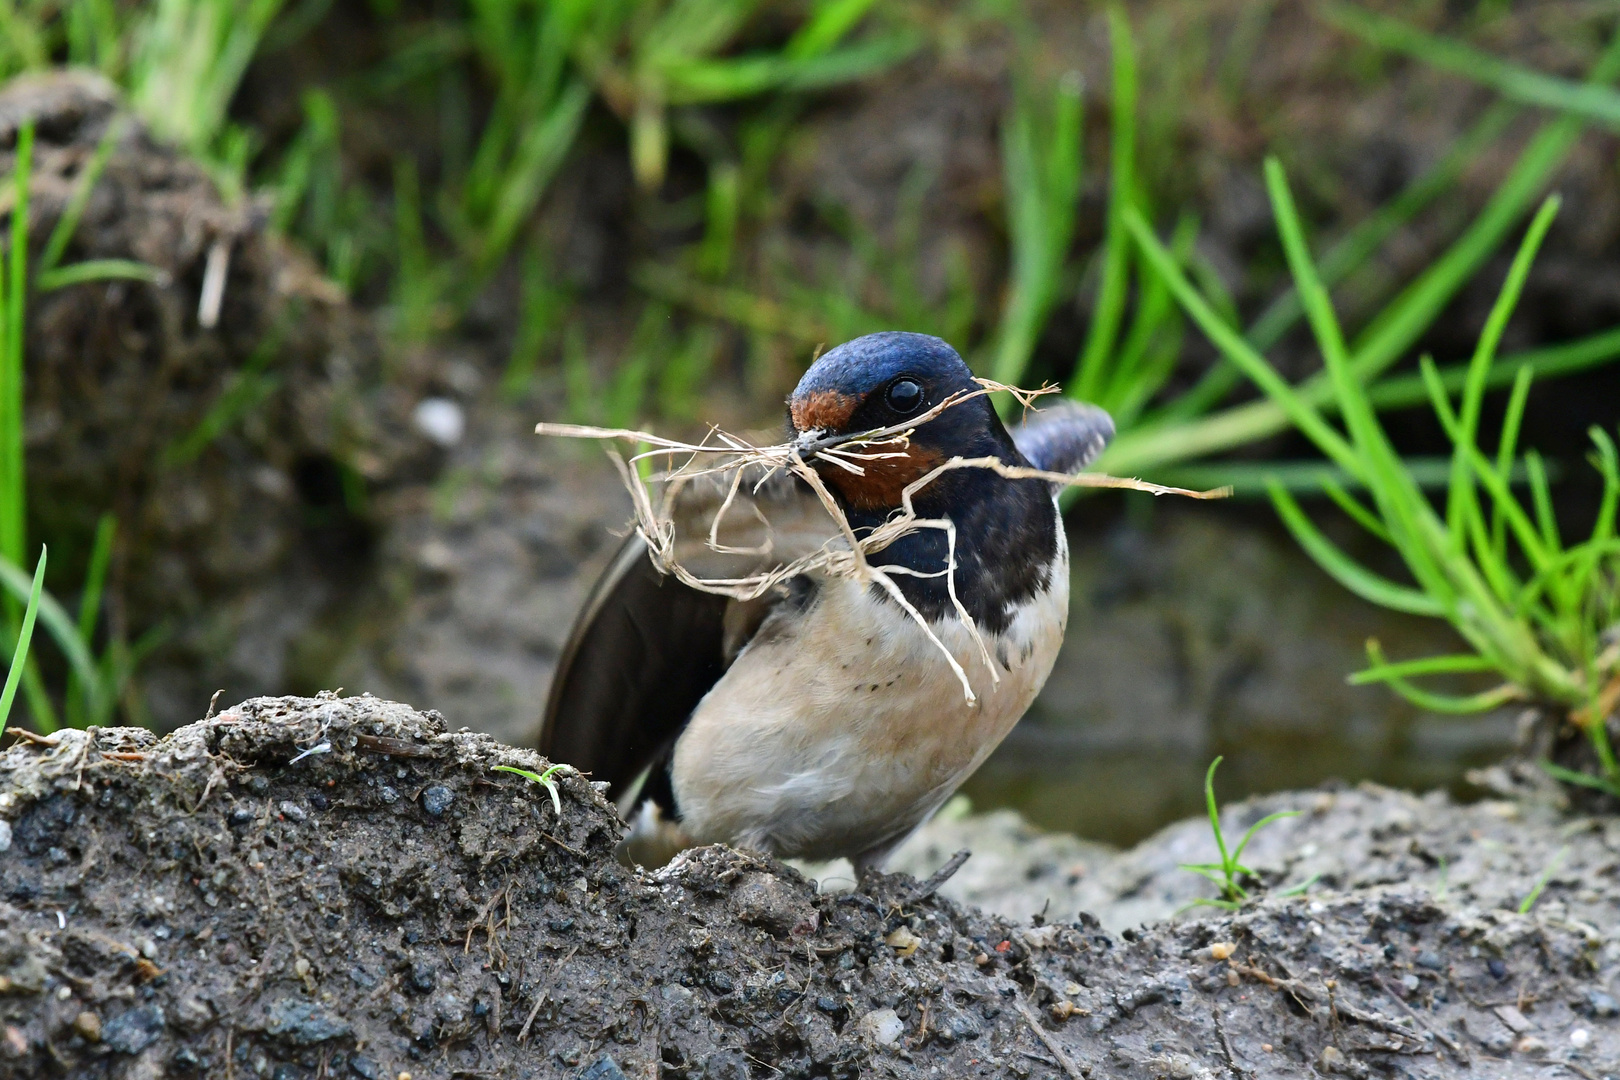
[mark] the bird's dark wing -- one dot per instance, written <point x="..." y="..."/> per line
<point x="1064" y="437"/>
<point x="643" y="652"/>
<point x="646" y="647"/>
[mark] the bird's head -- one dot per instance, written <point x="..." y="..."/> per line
<point x="881" y="381"/>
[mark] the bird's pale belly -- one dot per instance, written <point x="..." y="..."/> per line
<point x="843" y="731"/>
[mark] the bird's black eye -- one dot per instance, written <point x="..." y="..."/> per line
<point x="905" y="395"/>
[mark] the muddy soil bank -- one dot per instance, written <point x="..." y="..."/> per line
<point x="234" y="414"/>
<point x="343" y="887"/>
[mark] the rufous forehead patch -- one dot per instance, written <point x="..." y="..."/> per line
<point x="824" y="410"/>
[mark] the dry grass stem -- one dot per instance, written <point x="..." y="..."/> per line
<point x="723" y="457"/>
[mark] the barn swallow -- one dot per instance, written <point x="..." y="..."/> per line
<point x="821" y="720"/>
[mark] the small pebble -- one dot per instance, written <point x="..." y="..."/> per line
<point x="1065" y="1009"/>
<point x="63" y="993"/>
<point x="1602" y="1004"/>
<point x="1531" y="1045"/>
<point x="1579" y="1038"/>
<point x="1071" y="989"/>
<point x="292" y="811"/>
<point x="1220" y="950"/>
<point x="441" y="420"/>
<point x="437" y="799"/>
<point x="1332" y="1059"/>
<point x="88" y="1025"/>
<point x="135" y="1030"/>
<point x="365" y="1068"/>
<point x="1232" y="978"/>
<point x="1266" y="1047"/>
<point x="881" y="1026"/>
<point x="301" y="968"/>
<point x="903" y="942"/>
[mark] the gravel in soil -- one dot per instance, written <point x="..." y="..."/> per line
<point x="342" y="887"/>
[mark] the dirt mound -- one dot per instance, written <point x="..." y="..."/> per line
<point x="341" y="887"/>
<point x="241" y="443"/>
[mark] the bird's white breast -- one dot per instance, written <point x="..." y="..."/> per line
<point x="838" y="732"/>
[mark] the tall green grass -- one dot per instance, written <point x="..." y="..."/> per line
<point x="1177" y="433"/>
<point x="648" y="56"/>
<point x="94" y="684"/>
<point x="1536" y="612"/>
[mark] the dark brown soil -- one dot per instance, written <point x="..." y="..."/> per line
<point x="240" y="526"/>
<point x="340" y="887"/>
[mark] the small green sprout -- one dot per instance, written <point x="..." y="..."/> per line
<point x="1226" y="873"/>
<point x="1534" y="894"/>
<point x="543" y="779"/>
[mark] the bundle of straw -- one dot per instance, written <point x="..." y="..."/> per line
<point x="703" y="485"/>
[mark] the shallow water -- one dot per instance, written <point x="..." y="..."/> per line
<point x="1195" y="632"/>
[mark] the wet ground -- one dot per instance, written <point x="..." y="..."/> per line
<point x="342" y="887"/>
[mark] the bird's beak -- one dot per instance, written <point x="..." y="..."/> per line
<point x="811" y="442"/>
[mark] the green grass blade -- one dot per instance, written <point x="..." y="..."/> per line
<point x="68" y="223"/>
<point x="1215" y="812"/>
<point x="1309" y="476"/>
<point x="1404" y="320"/>
<point x="1541" y="496"/>
<point x="97" y="270"/>
<point x="1596" y="103"/>
<point x="1106" y="316"/>
<point x="1506" y="446"/>
<point x="1345" y="570"/>
<point x="1255" y="366"/>
<point x="1452" y="664"/>
<point x="1363" y="240"/>
<point x="243" y="392"/>
<point x="1042" y="171"/>
<point x="1536" y="547"/>
<point x="1545" y="876"/>
<point x="61" y="626"/>
<point x="1580" y="779"/>
<point x="13" y="310"/>
<point x="1462" y="504"/>
<point x="1138" y="374"/>
<point x="829" y="22"/>
<point x="79" y="702"/>
<point x="1607" y="462"/>
<point x="1440" y="703"/>
<point x="1256" y="827"/>
<point x="19" y="655"/>
<point x="1349" y="254"/>
<point x="1547" y="362"/>
<point x="1357" y="513"/>
<point x="95" y="578"/>
<point x="536" y="159"/>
